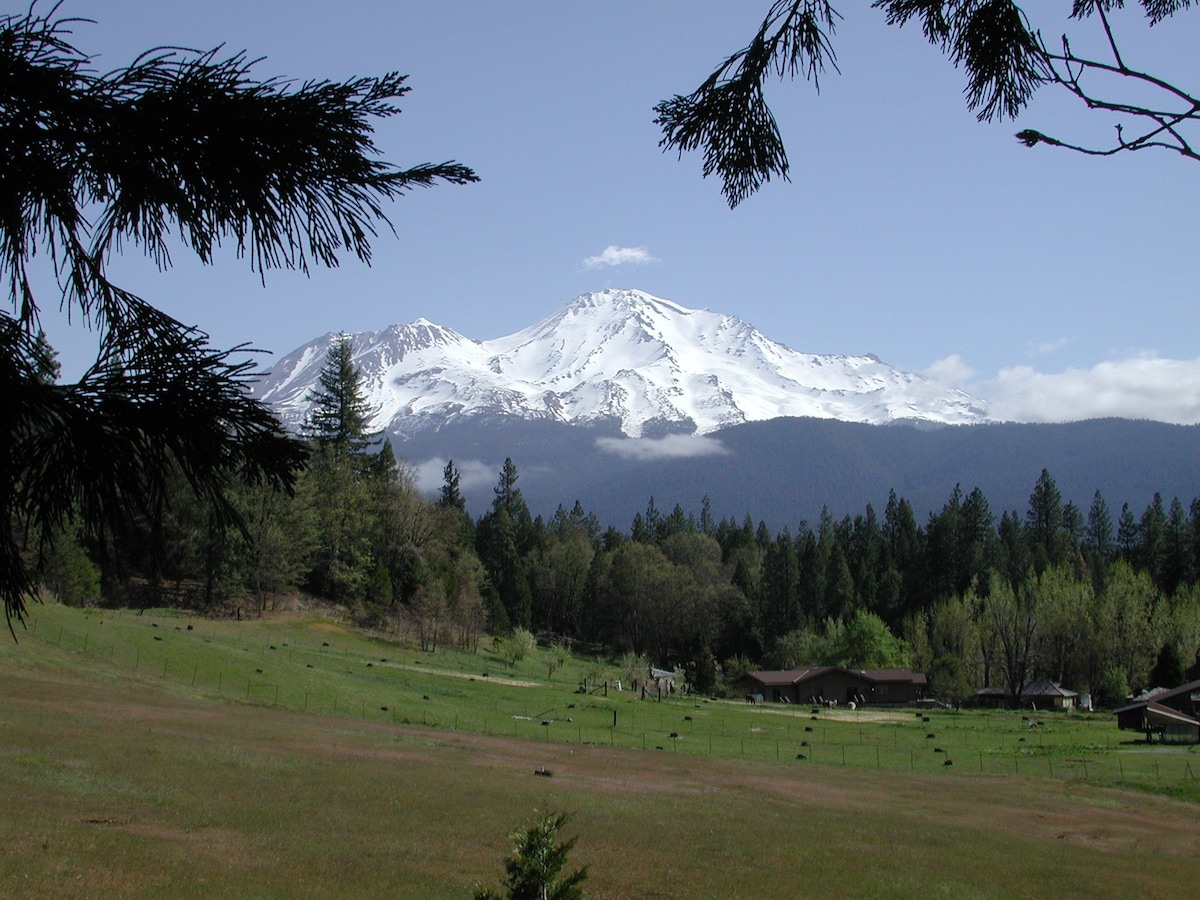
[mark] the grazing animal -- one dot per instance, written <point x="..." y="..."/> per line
<point x="948" y="762"/>
<point x="801" y="756"/>
<point x="808" y="728"/>
<point x="938" y="750"/>
<point x="424" y="696"/>
<point x="804" y="743"/>
<point x="309" y="665"/>
<point x="931" y="735"/>
<point x="673" y="734"/>
<point x="259" y="671"/>
<point x="157" y="638"/>
<point x="543" y="772"/>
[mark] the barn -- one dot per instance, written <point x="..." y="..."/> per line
<point x="1171" y="715"/>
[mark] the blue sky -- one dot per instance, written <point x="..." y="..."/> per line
<point x="1053" y="285"/>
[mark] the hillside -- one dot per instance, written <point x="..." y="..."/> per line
<point x="786" y="470"/>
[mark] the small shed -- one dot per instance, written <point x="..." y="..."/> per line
<point x="662" y="680"/>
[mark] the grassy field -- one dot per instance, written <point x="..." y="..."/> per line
<point x="166" y="755"/>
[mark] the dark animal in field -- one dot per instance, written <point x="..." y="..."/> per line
<point x="673" y="734"/>
<point x="948" y="762"/>
<point x="808" y="728"/>
<point x="543" y="772"/>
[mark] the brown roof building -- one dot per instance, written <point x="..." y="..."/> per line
<point x="828" y="684"/>
<point x="1171" y="715"/>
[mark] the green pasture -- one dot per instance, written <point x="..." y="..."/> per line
<point x="316" y="664"/>
<point x="301" y="757"/>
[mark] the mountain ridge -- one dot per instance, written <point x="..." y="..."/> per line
<point x="648" y="364"/>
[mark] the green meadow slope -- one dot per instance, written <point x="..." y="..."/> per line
<point x="162" y="755"/>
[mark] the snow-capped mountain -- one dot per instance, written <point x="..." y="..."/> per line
<point x="619" y="356"/>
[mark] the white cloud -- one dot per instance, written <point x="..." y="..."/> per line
<point x="952" y="370"/>
<point x="472" y="473"/>
<point x="1165" y="390"/>
<point x="1037" y="348"/>
<point x="620" y="256"/>
<point x="673" y="446"/>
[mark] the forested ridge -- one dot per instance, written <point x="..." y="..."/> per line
<point x="1103" y="600"/>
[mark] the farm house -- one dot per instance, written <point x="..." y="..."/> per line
<point x="1036" y="694"/>
<point x="828" y="684"/>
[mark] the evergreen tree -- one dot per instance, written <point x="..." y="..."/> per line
<point x="1099" y="534"/>
<point x="1044" y="522"/>
<point x="536" y="862"/>
<point x="344" y="481"/>
<point x="502" y="538"/>
<point x="340" y="412"/>
<point x="449" y="496"/>
<point x="96" y="163"/>
<point x="1128" y="535"/>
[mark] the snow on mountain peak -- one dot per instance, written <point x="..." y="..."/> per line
<point x="614" y="355"/>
